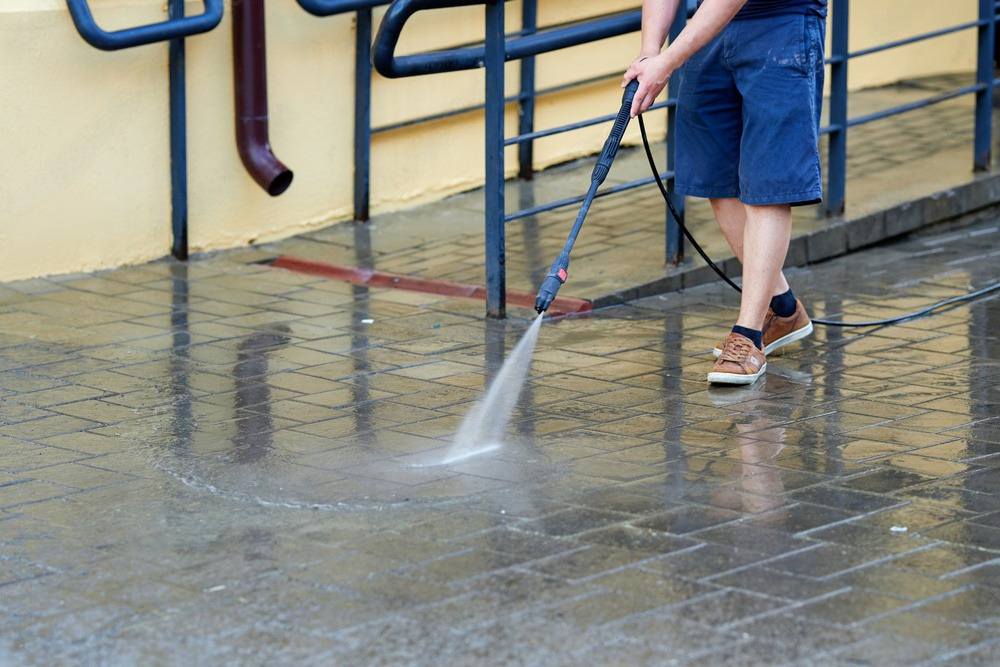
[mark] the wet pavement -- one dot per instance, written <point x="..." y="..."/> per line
<point x="226" y="462"/>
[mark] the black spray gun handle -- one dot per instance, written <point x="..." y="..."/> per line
<point x="559" y="272"/>
<point x="614" y="139"/>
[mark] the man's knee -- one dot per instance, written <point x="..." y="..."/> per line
<point x="764" y="208"/>
<point x="782" y="212"/>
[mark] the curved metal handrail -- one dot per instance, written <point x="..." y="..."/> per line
<point x="331" y="7"/>
<point x="451" y="60"/>
<point x="146" y="34"/>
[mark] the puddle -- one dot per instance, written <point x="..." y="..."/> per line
<point x="358" y="476"/>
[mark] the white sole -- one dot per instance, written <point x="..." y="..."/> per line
<point x="735" y="378"/>
<point x="781" y="342"/>
<point x="790" y="338"/>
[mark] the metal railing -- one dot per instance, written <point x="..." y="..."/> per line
<point x="524" y="45"/>
<point x="471" y="57"/>
<point x="498" y="49"/>
<point x="838" y="60"/>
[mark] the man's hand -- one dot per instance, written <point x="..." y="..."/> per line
<point x="653" y="73"/>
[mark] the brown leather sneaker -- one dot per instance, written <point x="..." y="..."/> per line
<point x="780" y="331"/>
<point x="740" y="362"/>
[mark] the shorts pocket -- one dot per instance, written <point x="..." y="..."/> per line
<point x="789" y="43"/>
<point x="813" y="43"/>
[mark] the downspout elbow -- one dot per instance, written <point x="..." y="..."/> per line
<point x="250" y="84"/>
<point x="254" y="147"/>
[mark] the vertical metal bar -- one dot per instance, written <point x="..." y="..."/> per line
<point x="526" y="110"/>
<point x="178" y="141"/>
<point x="675" y="239"/>
<point x="837" y="159"/>
<point x="362" y="114"/>
<point x="984" y="75"/>
<point x="496" y="278"/>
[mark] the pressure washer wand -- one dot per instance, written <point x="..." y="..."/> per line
<point x="558" y="273"/>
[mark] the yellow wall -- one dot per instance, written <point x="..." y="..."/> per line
<point x="84" y="174"/>
<point x="875" y="22"/>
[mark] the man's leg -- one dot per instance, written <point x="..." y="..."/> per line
<point x="777" y="70"/>
<point x="766" y="234"/>
<point x="731" y="215"/>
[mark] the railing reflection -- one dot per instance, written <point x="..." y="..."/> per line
<point x="254" y="425"/>
<point x="363" y="410"/>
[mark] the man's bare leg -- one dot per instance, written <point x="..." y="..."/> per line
<point x="762" y="248"/>
<point x="767" y="231"/>
<point x="731" y="215"/>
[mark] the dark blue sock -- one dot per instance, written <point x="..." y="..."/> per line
<point x="783" y="305"/>
<point x="754" y="335"/>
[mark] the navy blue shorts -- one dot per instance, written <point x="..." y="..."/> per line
<point x="748" y="113"/>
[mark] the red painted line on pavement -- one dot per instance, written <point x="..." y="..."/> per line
<point x="561" y="305"/>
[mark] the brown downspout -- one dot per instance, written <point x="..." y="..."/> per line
<point x="250" y="79"/>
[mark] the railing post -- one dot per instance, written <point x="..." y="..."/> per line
<point x="526" y="109"/>
<point x="984" y="76"/>
<point x="837" y="154"/>
<point x="496" y="279"/>
<point x="362" y="113"/>
<point x="178" y="140"/>
<point x="675" y="240"/>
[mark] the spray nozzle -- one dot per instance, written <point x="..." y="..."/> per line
<point x="553" y="281"/>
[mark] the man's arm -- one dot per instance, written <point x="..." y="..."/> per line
<point x="654" y="68"/>
<point x="657" y="16"/>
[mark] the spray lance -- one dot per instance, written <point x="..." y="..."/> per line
<point x="558" y="273"/>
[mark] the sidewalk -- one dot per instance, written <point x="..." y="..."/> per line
<point x="222" y="462"/>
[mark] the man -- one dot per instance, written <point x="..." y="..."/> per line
<point x="747" y="139"/>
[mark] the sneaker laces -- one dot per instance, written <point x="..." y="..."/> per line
<point x="736" y="349"/>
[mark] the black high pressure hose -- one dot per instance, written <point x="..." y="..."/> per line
<point x="558" y="272"/>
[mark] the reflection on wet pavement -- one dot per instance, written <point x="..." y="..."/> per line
<point x="221" y="457"/>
